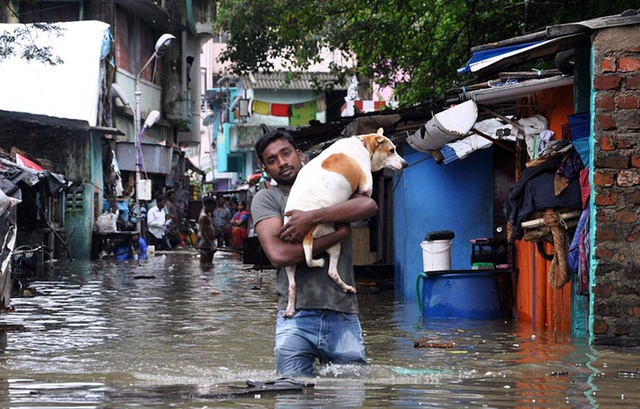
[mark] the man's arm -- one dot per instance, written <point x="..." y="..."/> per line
<point x="284" y="253"/>
<point x="358" y="207"/>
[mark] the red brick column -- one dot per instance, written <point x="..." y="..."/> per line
<point x="616" y="177"/>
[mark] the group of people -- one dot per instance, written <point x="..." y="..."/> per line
<point x="218" y="228"/>
<point x="230" y="222"/>
<point x="154" y="223"/>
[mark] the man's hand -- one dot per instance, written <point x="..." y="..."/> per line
<point x="299" y="224"/>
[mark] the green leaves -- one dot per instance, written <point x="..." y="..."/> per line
<point x="414" y="46"/>
<point x="22" y="42"/>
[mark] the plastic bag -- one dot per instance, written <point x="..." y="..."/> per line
<point x="107" y="223"/>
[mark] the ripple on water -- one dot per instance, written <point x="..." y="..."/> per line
<point x="95" y="333"/>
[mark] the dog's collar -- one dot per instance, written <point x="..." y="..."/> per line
<point x="365" y="145"/>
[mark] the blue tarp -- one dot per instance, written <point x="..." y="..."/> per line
<point x="494" y="52"/>
<point x="580" y="125"/>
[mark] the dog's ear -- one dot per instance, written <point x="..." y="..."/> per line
<point x="380" y="131"/>
<point x="380" y="140"/>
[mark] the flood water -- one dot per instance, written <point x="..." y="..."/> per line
<point x="169" y="333"/>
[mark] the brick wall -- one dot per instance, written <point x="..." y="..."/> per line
<point x="616" y="177"/>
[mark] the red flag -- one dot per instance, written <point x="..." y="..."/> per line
<point x="22" y="161"/>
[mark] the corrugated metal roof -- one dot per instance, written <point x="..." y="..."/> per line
<point x="552" y="40"/>
<point x="292" y="81"/>
<point x="491" y="66"/>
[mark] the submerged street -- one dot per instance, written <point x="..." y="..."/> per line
<point x="171" y="333"/>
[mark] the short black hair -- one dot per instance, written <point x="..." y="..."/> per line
<point x="267" y="138"/>
<point x="208" y="199"/>
<point x="159" y="198"/>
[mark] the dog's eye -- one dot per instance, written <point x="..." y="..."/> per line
<point x="392" y="150"/>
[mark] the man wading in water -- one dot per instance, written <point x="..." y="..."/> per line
<point x="325" y="325"/>
<point x="206" y="232"/>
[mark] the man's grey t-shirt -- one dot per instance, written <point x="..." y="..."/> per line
<point x="315" y="289"/>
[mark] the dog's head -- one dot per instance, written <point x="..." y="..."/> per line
<point x="382" y="152"/>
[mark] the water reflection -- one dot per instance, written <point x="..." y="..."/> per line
<point x="171" y="332"/>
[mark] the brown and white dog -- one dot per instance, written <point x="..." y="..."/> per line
<point x="330" y="178"/>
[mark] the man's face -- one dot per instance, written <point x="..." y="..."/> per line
<point x="282" y="162"/>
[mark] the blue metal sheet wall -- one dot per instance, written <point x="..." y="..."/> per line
<point x="429" y="197"/>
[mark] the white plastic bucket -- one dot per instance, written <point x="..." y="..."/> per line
<point x="151" y="250"/>
<point x="436" y="255"/>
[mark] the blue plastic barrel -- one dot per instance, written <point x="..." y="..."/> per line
<point x="468" y="294"/>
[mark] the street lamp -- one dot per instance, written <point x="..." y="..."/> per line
<point x="165" y="41"/>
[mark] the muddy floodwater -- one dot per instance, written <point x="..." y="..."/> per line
<point x="171" y="334"/>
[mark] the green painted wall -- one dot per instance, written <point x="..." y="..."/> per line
<point x="80" y="219"/>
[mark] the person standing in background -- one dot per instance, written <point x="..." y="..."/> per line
<point x="221" y="217"/>
<point x="172" y="215"/>
<point x="157" y="223"/>
<point x="239" y="224"/>
<point x="206" y="232"/>
<point x="170" y="208"/>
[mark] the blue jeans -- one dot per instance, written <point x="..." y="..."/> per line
<point x="327" y="335"/>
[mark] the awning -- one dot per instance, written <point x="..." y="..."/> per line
<point x="497" y="59"/>
<point x="68" y="90"/>
<point x="191" y="166"/>
<point x="492" y="53"/>
<point x="491" y="58"/>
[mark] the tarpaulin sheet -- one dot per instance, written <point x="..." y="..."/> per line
<point x="67" y="90"/>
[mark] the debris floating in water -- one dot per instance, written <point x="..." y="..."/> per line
<point x="11" y="327"/>
<point x="629" y="374"/>
<point x="425" y="343"/>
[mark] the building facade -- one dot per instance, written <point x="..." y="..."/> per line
<point x="98" y="154"/>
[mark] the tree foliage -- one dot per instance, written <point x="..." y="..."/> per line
<point x="414" y="46"/>
<point x="21" y="42"/>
